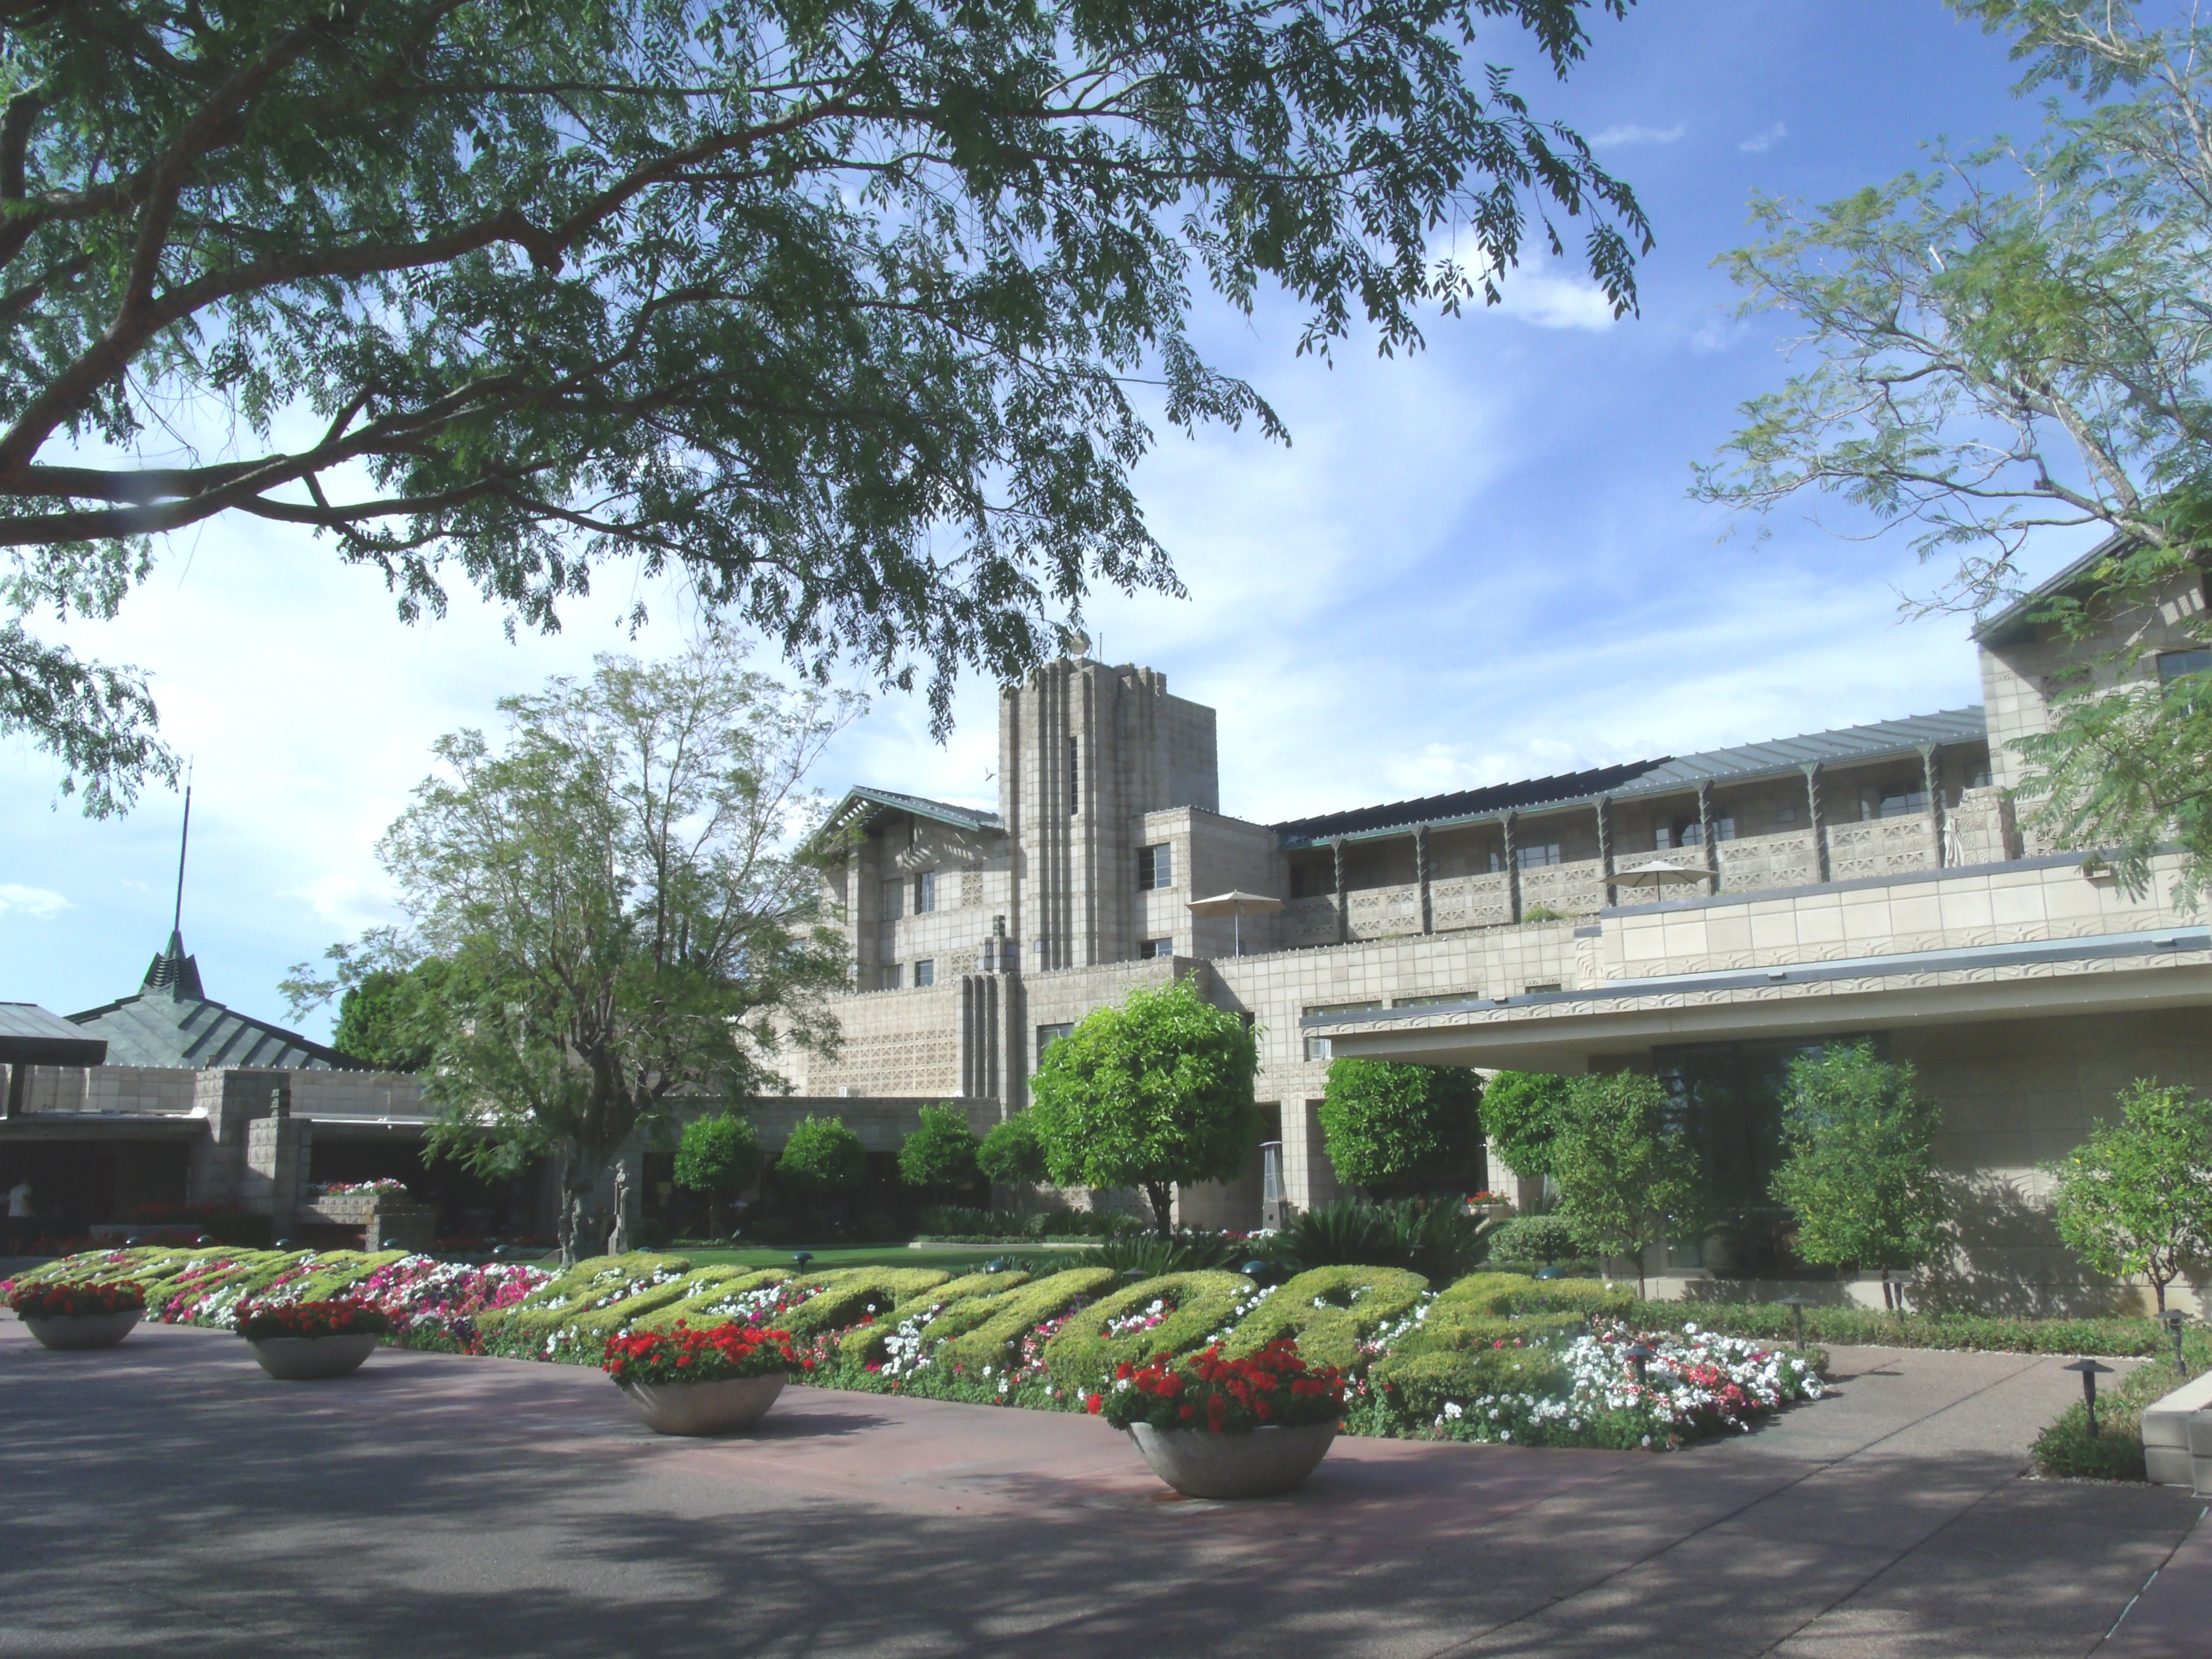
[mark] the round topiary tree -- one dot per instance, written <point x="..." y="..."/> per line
<point x="719" y="1157"/>
<point x="1521" y="1113"/>
<point x="1394" y="1128"/>
<point x="822" y="1157"/>
<point x="1153" y="1093"/>
<point x="941" y="1150"/>
<point x="1011" y="1155"/>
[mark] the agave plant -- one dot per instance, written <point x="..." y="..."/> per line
<point x="1439" y="1241"/>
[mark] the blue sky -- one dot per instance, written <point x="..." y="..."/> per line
<point x="1475" y="564"/>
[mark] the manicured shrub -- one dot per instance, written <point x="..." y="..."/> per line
<point x="701" y="1289"/>
<point x="1588" y="1298"/>
<point x="1011" y="1155"/>
<point x="1422" y="1383"/>
<point x="941" y="1151"/>
<point x="847" y="1295"/>
<point x="2137" y="1196"/>
<point x="990" y="1339"/>
<point x="1453" y="1328"/>
<point x="1329" y="1311"/>
<point x="1529" y="1241"/>
<point x="976" y="1293"/>
<point x="822" y="1157"/>
<point x="1125" y="1327"/>
<point x="1394" y="1127"/>
<point x="719" y="1157"/>
<point x="586" y="1292"/>
<point x="339" y="1271"/>
<point x="1627" y="1176"/>
<point x="1151" y="1254"/>
<point x="1489" y="1293"/>
<point x="1859" y="1326"/>
<point x="2065" y="1451"/>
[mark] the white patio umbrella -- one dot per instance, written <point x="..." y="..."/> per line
<point x="1660" y="874"/>
<point x="1236" y="903"/>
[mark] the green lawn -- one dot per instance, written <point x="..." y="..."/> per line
<point x="953" y="1258"/>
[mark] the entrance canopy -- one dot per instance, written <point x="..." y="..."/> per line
<point x="30" y="1035"/>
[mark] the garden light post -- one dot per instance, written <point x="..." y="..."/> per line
<point x="800" y="1258"/>
<point x="2173" y="1319"/>
<point x="1638" y="1356"/>
<point x="2091" y="1370"/>
<point x="1797" y="1306"/>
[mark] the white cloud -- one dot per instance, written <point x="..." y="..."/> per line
<point x="1759" y="143"/>
<point x="1629" y="133"/>
<point x="1553" y="301"/>
<point x="40" y="903"/>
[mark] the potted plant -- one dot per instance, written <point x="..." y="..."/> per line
<point x="79" y="1315"/>
<point x="308" y="1342"/>
<point x="1212" y="1427"/>
<point x="716" y="1379"/>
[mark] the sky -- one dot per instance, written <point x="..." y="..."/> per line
<point x="1477" y="563"/>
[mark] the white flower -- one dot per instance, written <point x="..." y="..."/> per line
<point x="1453" y="1411"/>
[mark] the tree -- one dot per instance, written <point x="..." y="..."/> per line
<point x="1521" y="1113"/>
<point x="387" y="1016"/>
<point x="822" y="1157"/>
<point x="838" y="310"/>
<point x="1393" y="1128"/>
<point x="2137" y="1196"/>
<point x="941" y="1151"/>
<point x="2013" y="343"/>
<point x="625" y="929"/>
<point x="1627" y="1177"/>
<point x="1858" y="1167"/>
<point x="1011" y="1155"/>
<point x="718" y="1156"/>
<point x="1151" y="1094"/>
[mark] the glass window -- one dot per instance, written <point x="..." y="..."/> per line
<point x="1536" y="857"/>
<point x="891" y="977"/>
<point x="1316" y="1047"/>
<point x="1155" y="866"/>
<point x="893" y="900"/>
<point x="1431" y="1001"/>
<point x="1156" y="947"/>
<point x="925" y="892"/>
<point x="1785" y="815"/>
<point x="2172" y="665"/>
<point x="1074" y="778"/>
<point x="925" y="972"/>
<point x="1892" y="800"/>
<point x="1049" y="1035"/>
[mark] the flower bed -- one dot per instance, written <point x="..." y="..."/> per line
<point x="1225" y="1396"/>
<point x="358" y="1189"/>
<point x="75" y="1301"/>
<point x="716" y="1353"/>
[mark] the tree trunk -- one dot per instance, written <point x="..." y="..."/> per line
<point x="1162" y="1196"/>
<point x="2158" y="1289"/>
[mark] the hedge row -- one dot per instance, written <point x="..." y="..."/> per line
<point x="1868" y="1327"/>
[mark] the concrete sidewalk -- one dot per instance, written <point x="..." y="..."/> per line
<point x="165" y="1496"/>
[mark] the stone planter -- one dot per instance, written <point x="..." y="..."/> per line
<point x="728" y="1407"/>
<point x="311" y="1358"/>
<point x="76" y="1331"/>
<point x="1261" y="1464"/>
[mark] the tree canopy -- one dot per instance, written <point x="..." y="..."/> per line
<point x="609" y="885"/>
<point x="2137" y="1196"/>
<point x="1010" y="1154"/>
<point x="1155" y="1093"/>
<point x="1521" y="1113"/>
<point x="941" y="1150"/>
<point x="388" y="1016"/>
<point x="1394" y="1127"/>
<point x="719" y="1155"/>
<point x="1859" y="1170"/>
<point x="2010" y="344"/>
<point x="823" y="1156"/>
<point x="853" y="314"/>
<point x="1628" y="1178"/>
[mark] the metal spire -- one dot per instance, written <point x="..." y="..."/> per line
<point x="184" y="841"/>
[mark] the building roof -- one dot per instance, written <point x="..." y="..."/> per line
<point x="170" y="1021"/>
<point x="1668" y="774"/>
<point x="31" y="1036"/>
<point x="2019" y="617"/>
<point x="862" y="804"/>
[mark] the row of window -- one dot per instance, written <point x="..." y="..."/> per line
<point x="919" y="974"/>
<point x="1155" y="869"/>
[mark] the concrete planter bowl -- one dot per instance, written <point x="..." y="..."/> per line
<point x="71" y="1332"/>
<point x="1263" y="1463"/>
<point x="730" y="1406"/>
<point x="311" y="1358"/>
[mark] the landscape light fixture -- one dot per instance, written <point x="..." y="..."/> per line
<point x="283" y="1244"/>
<point x="1638" y="1356"/>
<point x="800" y="1258"/>
<point x="2091" y="1370"/>
<point x="1797" y="1306"/>
<point x="2173" y="1319"/>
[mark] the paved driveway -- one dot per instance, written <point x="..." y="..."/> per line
<point x="166" y="1498"/>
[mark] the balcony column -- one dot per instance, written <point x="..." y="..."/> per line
<point x="1817" y="815"/>
<point x="1935" y="785"/>
<point x="1706" y="833"/>
<point x="1512" y="824"/>
<point x="1605" y="849"/>
<point x="1421" y="875"/>
<point x="1343" y="902"/>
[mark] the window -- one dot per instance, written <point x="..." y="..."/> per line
<point x="1539" y="990"/>
<point x="1317" y="1048"/>
<point x="925" y="892"/>
<point x="1049" y="1035"/>
<point x="891" y="977"/>
<point x="1155" y="866"/>
<point x="1785" y="815"/>
<point x="1432" y="1001"/>
<point x="925" y="972"/>
<point x="2172" y="665"/>
<point x="1156" y="947"/>
<point x="1690" y="833"/>
<point x="1538" y="856"/>
<point x="893" y="900"/>
<point x="1892" y="800"/>
<point x="1074" y="778"/>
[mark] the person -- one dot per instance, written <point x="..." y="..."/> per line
<point x="18" y="1219"/>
